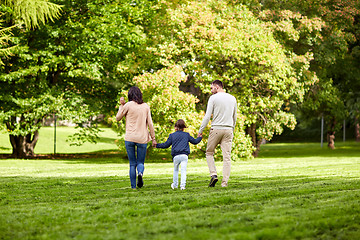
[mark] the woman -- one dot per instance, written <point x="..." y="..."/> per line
<point x="138" y="120"/>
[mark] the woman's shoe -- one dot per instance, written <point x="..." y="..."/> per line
<point x="140" y="182"/>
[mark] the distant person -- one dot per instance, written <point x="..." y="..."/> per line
<point x="223" y="109"/>
<point x="138" y="121"/>
<point x="179" y="140"/>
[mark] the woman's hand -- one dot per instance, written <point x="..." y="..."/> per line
<point x="154" y="143"/>
<point x="122" y="101"/>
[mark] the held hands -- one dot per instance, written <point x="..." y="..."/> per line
<point x="199" y="135"/>
<point x="154" y="143"/>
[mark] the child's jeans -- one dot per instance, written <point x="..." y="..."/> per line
<point x="180" y="159"/>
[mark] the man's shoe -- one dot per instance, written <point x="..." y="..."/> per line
<point x="182" y="188"/>
<point x="140" y="182"/>
<point x="213" y="181"/>
<point x="172" y="186"/>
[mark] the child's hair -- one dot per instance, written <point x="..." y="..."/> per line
<point x="180" y="124"/>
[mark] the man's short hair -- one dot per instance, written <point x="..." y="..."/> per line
<point x="218" y="83"/>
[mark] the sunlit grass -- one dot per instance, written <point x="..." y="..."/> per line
<point x="292" y="191"/>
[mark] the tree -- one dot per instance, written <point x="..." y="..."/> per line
<point x="70" y="67"/>
<point x="215" y="40"/>
<point x="28" y="14"/>
<point x="333" y="46"/>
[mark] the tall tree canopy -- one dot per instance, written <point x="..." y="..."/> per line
<point x="270" y="56"/>
<point x="215" y="40"/>
<point x="69" y="67"/>
<point x="334" y="44"/>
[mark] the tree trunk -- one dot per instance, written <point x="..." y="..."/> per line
<point x="258" y="145"/>
<point x="255" y="142"/>
<point x="18" y="148"/>
<point x="357" y="130"/>
<point x="23" y="146"/>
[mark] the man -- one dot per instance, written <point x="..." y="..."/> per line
<point x="223" y="108"/>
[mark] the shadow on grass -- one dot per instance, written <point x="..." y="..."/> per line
<point x="300" y="150"/>
<point x="270" y="150"/>
<point x="107" y="140"/>
<point x="98" y="157"/>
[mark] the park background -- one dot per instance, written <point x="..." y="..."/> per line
<point x="293" y="67"/>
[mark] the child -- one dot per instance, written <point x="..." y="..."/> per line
<point x="180" y="150"/>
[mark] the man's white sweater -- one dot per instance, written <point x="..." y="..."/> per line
<point x="222" y="106"/>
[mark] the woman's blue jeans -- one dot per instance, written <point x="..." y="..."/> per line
<point x="136" y="153"/>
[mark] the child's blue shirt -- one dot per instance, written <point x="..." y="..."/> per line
<point x="180" y="143"/>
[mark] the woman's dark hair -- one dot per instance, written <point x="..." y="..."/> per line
<point x="135" y="95"/>
<point x="180" y="124"/>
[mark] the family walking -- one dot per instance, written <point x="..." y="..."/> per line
<point x="221" y="107"/>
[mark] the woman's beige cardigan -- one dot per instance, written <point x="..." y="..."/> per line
<point x="138" y="120"/>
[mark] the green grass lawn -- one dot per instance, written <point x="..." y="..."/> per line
<point x="292" y="191"/>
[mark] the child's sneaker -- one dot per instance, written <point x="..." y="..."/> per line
<point x="182" y="188"/>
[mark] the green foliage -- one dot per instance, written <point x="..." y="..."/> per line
<point x="325" y="99"/>
<point x="329" y="31"/>
<point x="271" y="55"/>
<point x="242" y="146"/>
<point x="102" y="37"/>
<point x="5" y="47"/>
<point x="84" y="134"/>
<point x="214" y="40"/>
<point x="75" y="60"/>
<point x="32" y="13"/>
<point x="167" y="103"/>
<point x="23" y="115"/>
